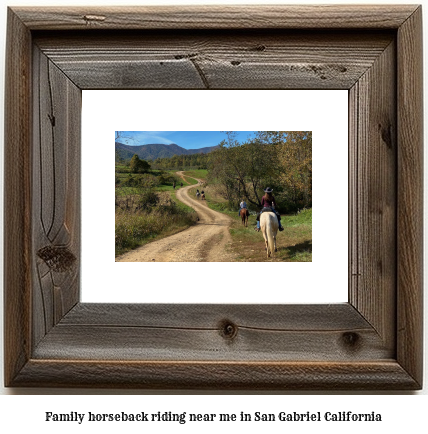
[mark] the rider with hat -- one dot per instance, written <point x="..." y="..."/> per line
<point x="268" y="204"/>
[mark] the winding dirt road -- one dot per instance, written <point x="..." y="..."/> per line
<point x="207" y="241"/>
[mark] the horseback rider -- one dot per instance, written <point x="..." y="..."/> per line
<point x="268" y="204"/>
<point x="242" y="205"/>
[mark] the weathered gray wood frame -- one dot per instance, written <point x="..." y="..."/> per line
<point x="372" y="342"/>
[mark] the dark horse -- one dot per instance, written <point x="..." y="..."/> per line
<point x="244" y="216"/>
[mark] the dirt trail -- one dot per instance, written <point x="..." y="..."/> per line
<point x="207" y="241"/>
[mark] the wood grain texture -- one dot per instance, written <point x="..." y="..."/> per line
<point x="17" y="199"/>
<point x="341" y="317"/>
<point x="216" y="59"/>
<point x="216" y="17"/>
<point x="372" y="342"/>
<point x="199" y="332"/>
<point x="386" y="375"/>
<point x="410" y="197"/>
<point x="373" y="178"/>
<point x="56" y="194"/>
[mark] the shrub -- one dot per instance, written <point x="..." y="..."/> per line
<point x="147" y="200"/>
<point x="130" y="181"/>
<point x="167" y="179"/>
<point x="133" y="229"/>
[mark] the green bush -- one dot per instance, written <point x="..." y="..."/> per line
<point x="148" y="200"/>
<point x="138" y="166"/>
<point x="143" y="181"/>
<point x="130" y="181"/>
<point x="167" y="179"/>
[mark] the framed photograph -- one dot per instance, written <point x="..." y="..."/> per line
<point x="371" y="341"/>
<point x="218" y="248"/>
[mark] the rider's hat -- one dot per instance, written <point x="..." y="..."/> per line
<point x="268" y="190"/>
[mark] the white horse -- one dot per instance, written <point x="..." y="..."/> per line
<point x="269" y="228"/>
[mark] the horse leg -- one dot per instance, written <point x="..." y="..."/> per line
<point x="266" y="241"/>
<point x="267" y="245"/>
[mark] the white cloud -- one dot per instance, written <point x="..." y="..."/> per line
<point x="134" y="138"/>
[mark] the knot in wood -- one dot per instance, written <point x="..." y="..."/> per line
<point x="351" y="340"/>
<point x="58" y="259"/>
<point x="386" y="134"/>
<point x="228" y="330"/>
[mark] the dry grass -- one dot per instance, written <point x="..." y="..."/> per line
<point x="135" y="227"/>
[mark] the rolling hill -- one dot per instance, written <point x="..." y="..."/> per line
<point x="157" y="150"/>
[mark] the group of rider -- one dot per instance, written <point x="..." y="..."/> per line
<point x="173" y="185"/>
<point x="268" y="205"/>
<point x="202" y="194"/>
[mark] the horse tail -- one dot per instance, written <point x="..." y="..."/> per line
<point x="269" y="233"/>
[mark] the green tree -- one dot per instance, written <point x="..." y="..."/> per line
<point x="294" y="166"/>
<point x="279" y="159"/>
<point x="244" y="169"/>
<point x="138" y="166"/>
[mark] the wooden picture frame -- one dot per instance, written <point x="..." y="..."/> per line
<point x="372" y="342"/>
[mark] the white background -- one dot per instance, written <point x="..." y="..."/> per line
<point x="324" y="280"/>
<point x="400" y="412"/>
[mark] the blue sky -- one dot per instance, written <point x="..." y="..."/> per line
<point x="185" y="139"/>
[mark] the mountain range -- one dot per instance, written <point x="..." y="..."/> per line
<point x="157" y="150"/>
